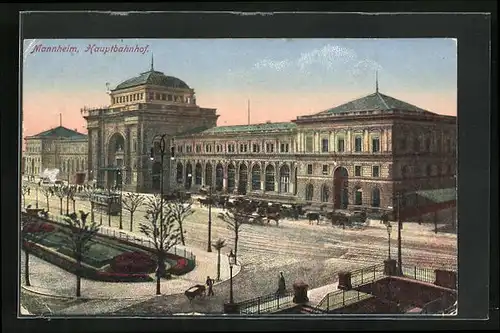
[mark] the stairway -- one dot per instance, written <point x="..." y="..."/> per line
<point x="307" y="309"/>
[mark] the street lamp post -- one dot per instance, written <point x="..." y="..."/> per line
<point x="209" y="246"/>
<point x="119" y="173"/>
<point x="108" y="199"/>
<point x="230" y="307"/>
<point x="161" y="139"/>
<point x="400" y="226"/>
<point x="389" y="230"/>
<point x="67" y="197"/>
<point x="37" y="186"/>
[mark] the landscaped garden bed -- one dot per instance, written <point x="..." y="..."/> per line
<point x="108" y="259"/>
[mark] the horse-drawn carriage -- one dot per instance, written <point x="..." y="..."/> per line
<point x="198" y="290"/>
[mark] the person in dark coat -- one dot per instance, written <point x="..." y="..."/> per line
<point x="281" y="285"/>
<point x="210" y="284"/>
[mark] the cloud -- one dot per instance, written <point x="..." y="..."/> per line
<point x="328" y="57"/>
<point x="273" y="64"/>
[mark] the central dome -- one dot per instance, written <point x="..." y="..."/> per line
<point x="153" y="77"/>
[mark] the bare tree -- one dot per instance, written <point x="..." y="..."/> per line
<point x="162" y="229"/>
<point x="24" y="190"/>
<point x="61" y="194"/>
<point x="180" y="210"/>
<point x="131" y="202"/>
<point x="89" y="194"/>
<point x="47" y="192"/>
<point x="30" y="232"/>
<point x="79" y="234"/>
<point x="235" y="218"/>
<point x="218" y="245"/>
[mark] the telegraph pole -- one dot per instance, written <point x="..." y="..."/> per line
<point x="400" y="226"/>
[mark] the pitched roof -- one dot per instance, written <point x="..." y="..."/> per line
<point x="253" y="128"/>
<point x="59" y="132"/>
<point x="153" y="77"/>
<point x="375" y="101"/>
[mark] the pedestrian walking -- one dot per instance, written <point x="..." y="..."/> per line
<point x="210" y="284"/>
<point x="281" y="285"/>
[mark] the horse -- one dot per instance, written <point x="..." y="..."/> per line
<point x="313" y="216"/>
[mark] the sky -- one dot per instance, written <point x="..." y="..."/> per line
<point x="282" y="78"/>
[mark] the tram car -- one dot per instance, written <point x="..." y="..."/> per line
<point x="109" y="203"/>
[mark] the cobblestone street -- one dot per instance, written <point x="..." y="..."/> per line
<point x="312" y="253"/>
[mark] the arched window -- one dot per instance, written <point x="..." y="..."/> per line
<point x="284" y="179"/>
<point x="208" y="175"/>
<point x="325" y="193"/>
<point x="179" y="173"/>
<point x="376" y="197"/>
<point x="255" y="177"/>
<point x="309" y="192"/>
<point x="295" y="182"/>
<point x="358" y="196"/>
<point x="197" y="174"/>
<point x="270" y="178"/>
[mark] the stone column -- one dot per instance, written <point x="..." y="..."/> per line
<point x="366" y="141"/>
<point x="299" y="141"/>
<point x="203" y="174"/>
<point x="276" y="177"/>
<point x="446" y="279"/>
<point x="249" y="177"/>
<point x="388" y="135"/>
<point x="348" y="143"/>
<point x="224" y="178"/>
<point x="344" y="281"/>
<point x="300" y="292"/>
<point x="237" y="176"/>
<point x="262" y="177"/>
<point x="390" y="267"/>
<point x="214" y="173"/>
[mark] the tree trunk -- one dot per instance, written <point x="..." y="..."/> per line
<point x="92" y="211"/>
<point x="218" y="264"/>
<point x="74" y="203"/>
<point x="131" y="220"/>
<point x="182" y="233"/>
<point x="78" y="278"/>
<point x="60" y="205"/>
<point x="48" y="208"/>
<point x="26" y="267"/>
<point x="236" y="247"/>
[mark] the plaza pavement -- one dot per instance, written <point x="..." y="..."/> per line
<point x="50" y="280"/>
<point x="312" y="253"/>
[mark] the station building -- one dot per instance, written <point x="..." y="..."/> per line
<point x="365" y="153"/>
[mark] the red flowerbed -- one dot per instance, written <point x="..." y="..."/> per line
<point x="181" y="264"/>
<point x="38" y="227"/>
<point x="133" y="262"/>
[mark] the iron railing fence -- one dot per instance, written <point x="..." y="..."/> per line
<point x="266" y="304"/>
<point x="420" y="274"/>
<point x="129" y="238"/>
<point x="366" y="275"/>
<point x="341" y="298"/>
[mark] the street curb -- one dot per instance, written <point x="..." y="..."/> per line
<point x="83" y="298"/>
<point x="115" y="298"/>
